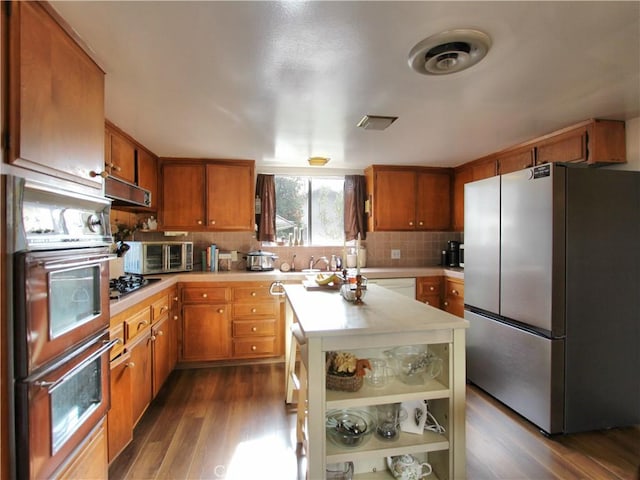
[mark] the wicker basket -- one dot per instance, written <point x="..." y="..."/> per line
<point x="351" y="383"/>
<point x="344" y="383"/>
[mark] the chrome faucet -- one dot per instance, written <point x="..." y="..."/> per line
<point x="313" y="263"/>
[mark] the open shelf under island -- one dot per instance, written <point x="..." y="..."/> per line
<point x="384" y="321"/>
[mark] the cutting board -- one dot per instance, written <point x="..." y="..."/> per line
<point x="312" y="285"/>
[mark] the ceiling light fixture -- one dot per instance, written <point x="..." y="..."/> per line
<point x="318" y="161"/>
<point x="376" y="122"/>
<point x="449" y="52"/>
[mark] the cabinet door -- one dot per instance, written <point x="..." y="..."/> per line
<point x="460" y="178"/>
<point x="514" y="161"/>
<point x="56" y="120"/>
<point x="161" y="336"/>
<point x="122" y="157"/>
<point x="429" y="290"/>
<point x="148" y="174"/>
<point x="433" y="206"/>
<point x="394" y="200"/>
<point x="183" y="193"/>
<point x="119" y="417"/>
<point x="454" y="296"/>
<point x="90" y="458"/>
<point x="484" y="169"/>
<point x="141" y="380"/>
<point x="205" y="332"/>
<point x="230" y="197"/>
<point x="567" y="147"/>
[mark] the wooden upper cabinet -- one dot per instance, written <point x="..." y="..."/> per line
<point x="148" y="174"/>
<point x="56" y="98"/>
<point x="183" y="193"/>
<point x="122" y="157"/>
<point x="230" y="196"/>
<point x="461" y="176"/>
<point x="515" y="160"/>
<point x="207" y="195"/>
<point x="433" y="202"/>
<point x="484" y="169"/>
<point x="409" y="198"/>
<point x="593" y="142"/>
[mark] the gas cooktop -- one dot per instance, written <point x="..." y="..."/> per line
<point x="121" y="286"/>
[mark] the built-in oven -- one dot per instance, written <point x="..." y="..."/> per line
<point x="61" y="320"/>
<point x="58" y="406"/>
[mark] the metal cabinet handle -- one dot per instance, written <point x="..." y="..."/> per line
<point x="432" y="288"/>
<point x="163" y="309"/>
<point x="221" y="310"/>
<point x="130" y="364"/>
<point x="94" y="174"/>
<point x="204" y="295"/>
<point x="152" y="338"/>
<point x="454" y="291"/>
<point x="212" y="222"/>
<point x="420" y="223"/>
<point x="411" y="224"/>
<point x="254" y="348"/>
<point x="144" y="323"/>
<point x="199" y="222"/>
<point x="253" y="294"/>
<point x="276" y="289"/>
<point x="254" y="329"/>
<point x="254" y="310"/>
<point x="175" y="317"/>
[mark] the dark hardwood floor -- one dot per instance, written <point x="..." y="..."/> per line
<point x="232" y="423"/>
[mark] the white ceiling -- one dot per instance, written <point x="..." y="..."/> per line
<point x="279" y="82"/>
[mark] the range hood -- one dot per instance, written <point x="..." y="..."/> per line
<point x="126" y="194"/>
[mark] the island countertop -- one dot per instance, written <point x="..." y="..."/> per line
<point x="326" y="313"/>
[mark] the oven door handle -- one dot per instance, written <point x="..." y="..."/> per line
<point x="51" y="386"/>
<point x="76" y="261"/>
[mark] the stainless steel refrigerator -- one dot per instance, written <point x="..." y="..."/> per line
<point x="552" y="294"/>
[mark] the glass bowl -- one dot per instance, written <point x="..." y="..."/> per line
<point x="350" y="427"/>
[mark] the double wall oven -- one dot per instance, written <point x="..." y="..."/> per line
<point x="61" y="319"/>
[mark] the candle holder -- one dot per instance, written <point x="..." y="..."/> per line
<point x="358" y="300"/>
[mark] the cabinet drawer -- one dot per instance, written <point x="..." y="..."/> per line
<point x="116" y="332"/>
<point x="254" y="309"/>
<point x="258" y="346"/>
<point x="429" y="285"/>
<point x="204" y="295"/>
<point x="160" y="308"/>
<point x="137" y="323"/>
<point x="454" y="288"/>
<point x="248" y="328"/>
<point x="251" y="294"/>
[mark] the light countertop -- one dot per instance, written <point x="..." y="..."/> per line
<point x="326" y="313"/>
<point x="167" y="280"/>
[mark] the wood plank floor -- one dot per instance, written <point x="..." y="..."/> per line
<point x="231" y="423"/>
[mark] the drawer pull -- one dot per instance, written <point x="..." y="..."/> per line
<point x="420" y="223"/>
<point x="204" y="295"/>
<point x="175" y="299"/>
<point x="221" y="310"/>
<point x="411" y="224"/>
<point x="199" y="222"/>
<point x="144" y="323"/>
<point x="254" y="329"/>
<point x="432" y="288"/>
<point x="175" y="317"/>
<point x="163" y="309"/>
<point x="254" y="348"/>
<point x="159" y="333"/>
<point x="212" y="222"/>
<point x="253" y="294"/>
<point x="454" y="291"/>
<point x="130" y="364"/>
<point x="253" y="310"/>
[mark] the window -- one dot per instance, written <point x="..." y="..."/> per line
<point x="309" y="209"/>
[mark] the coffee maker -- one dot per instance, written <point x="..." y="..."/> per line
<point x="453" y="253"/>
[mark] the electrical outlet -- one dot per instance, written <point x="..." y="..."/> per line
<point x="395" y="254"/>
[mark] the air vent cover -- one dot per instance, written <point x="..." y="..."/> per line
<point x="449" y="52"/>
<point x="376" y="122"/>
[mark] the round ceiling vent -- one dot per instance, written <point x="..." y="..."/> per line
<point x="449" y="52"/>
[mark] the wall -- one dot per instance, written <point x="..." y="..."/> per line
<point x="416" y="248"/>
<point x="633" y="146"/>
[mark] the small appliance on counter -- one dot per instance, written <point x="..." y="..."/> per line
<point x="259" y="261"/>
<point x="461" y="255"/>
<point x="453" y="253"/>
<point x="158" y="257"/>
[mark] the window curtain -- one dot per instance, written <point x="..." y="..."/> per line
<point x="266" y="216"/>
<point x="355" y="195"/>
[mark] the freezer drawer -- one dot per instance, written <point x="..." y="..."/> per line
<point x="522" y="370"/>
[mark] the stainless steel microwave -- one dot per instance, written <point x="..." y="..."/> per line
<point x="158" y="257"/>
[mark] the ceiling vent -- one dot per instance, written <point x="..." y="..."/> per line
<point x="449" y="52"/>
<point x="376" y="122"/>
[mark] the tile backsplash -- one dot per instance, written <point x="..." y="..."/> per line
<point x="417" y="249"/>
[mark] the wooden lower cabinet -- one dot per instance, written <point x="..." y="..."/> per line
<point x="454" y="296"/>
<point x="229" y="320"/>
<point x="205" y="332"/>
<point x="141" y="371"/>
<point x="429" y="290"/>
<point x="90" y="460"/>
<point x="161" y="338"/>
<point x="119" y="417"/>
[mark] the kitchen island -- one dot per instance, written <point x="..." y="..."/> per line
<point x="385" y="320"/>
